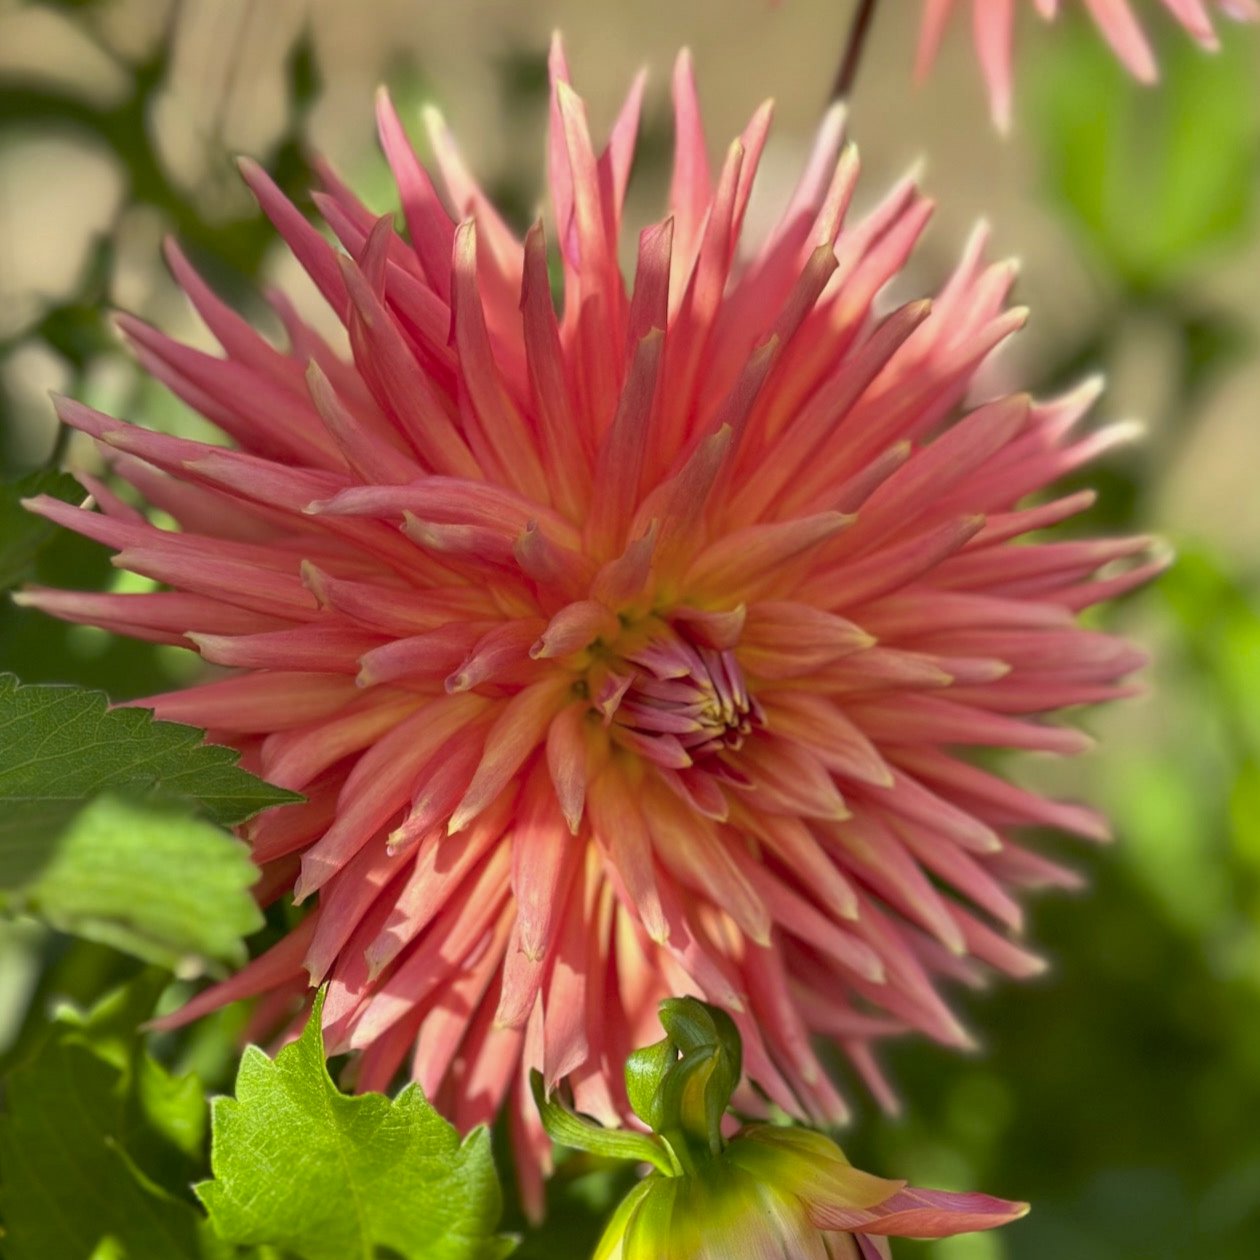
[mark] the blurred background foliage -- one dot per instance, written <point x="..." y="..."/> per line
<point x="1121" y="1092"/>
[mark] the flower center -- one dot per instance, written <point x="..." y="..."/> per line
<point x="678" y="701"/>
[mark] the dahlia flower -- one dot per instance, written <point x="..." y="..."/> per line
<point x="766" y="1193"/>
<point x="629" y="651"/>
<point x="993" y="22"/>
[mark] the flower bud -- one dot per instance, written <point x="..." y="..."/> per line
<point x="769" y="1193"/>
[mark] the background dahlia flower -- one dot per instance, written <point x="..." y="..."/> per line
<point x="993" y="23"/>
<point x="627" y="652"/>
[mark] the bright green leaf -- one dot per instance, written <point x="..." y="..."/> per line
<point x="23" y="535"/>
<point x="147" y="878"/>
<point x="301" y="1166"/>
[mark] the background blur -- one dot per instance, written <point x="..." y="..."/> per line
<point x="1121" y="1093"/>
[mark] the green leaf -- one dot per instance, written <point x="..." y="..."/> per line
<point x="1154" y="179"/>
<point x="86" y="1169"/>
<point x="147" y="878"/>
<point x="97" y="834"/>
<point x="301" y="1166"/>
<point x="166" y="1114"/>
<point x="61" y="746"/>
<point x="22" y="534"/>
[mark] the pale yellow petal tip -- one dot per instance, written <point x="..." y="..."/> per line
<point x="916" y="171"/>
<point x="658" y="934"/>
<point x="302" y="889"/>
<point x="836" y="118"/>
<point x="1124" y="432"/>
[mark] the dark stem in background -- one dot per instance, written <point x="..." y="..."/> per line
<point x="60" y="445"/>
<point x="855" y="45"/>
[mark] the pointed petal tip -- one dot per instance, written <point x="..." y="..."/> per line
<point x="433" y="119"/>
<point x="304" y="887"/>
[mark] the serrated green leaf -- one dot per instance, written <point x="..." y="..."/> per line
<point x="22" y="534"/>
<point x="300" y="1166"/>
<point x="61" y="746"/>
<point x="84" y="1170"/>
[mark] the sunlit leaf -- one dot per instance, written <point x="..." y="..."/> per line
<point x="301" y="1166"/>
<point x="102" y="830"/>
<point x="150" y="879"/>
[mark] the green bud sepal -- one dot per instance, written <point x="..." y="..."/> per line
<point x="568" y="1128"/>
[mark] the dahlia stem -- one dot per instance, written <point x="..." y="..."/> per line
<point x="61" y="443"/>
<point x="855" y="46"/>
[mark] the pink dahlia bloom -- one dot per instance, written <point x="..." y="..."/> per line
<point x="993" y="22"/>
<point x="625" y="652"/>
